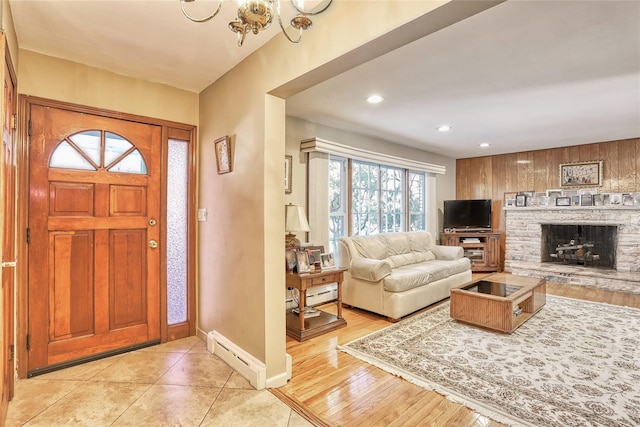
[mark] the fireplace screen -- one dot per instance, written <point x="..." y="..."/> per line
<point x="585" y="245"/>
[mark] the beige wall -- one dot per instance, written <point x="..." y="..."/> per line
<point x="53" y="78"/>
<point x="241" y="291"/>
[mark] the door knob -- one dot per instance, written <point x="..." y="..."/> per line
<point x="152" y="222"/>
<point x="153" y="244"/>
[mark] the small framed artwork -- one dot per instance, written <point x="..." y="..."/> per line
<point x="223" y="154"/>
<point x="615" y="199"/>
<point x="586" y="200"/>
<point x="510" y="199"/>
<point x="627" y="199"/>
<point x="302" y="262"/>
<point x="563" y="201"/>
<point x="598" y="199"/>
<point x="581" y="174"/>
<point x="290" y="259"/>
<point x="575" y="200"/>
<point x="288" y="175"/>
<point x="314" y="258"/>
<point x="521" y="200"/>
<point x="328" y="260"/>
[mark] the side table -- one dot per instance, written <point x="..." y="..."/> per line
<point x="302" y="329"/>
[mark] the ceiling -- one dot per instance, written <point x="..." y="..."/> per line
<point x="523" y="75"/>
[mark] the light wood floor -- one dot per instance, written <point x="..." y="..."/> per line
<point x="332" y="388"/>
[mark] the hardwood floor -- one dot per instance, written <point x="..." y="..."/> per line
<point x="332" y="388"/>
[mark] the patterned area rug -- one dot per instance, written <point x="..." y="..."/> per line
<point x="575" y="363"/>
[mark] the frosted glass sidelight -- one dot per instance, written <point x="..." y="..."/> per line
<point x="177" y="232"/>
<point x="65" y="156"/>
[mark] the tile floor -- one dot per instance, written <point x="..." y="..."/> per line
<point x="175" y="384"/>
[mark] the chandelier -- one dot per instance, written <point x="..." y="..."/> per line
<point x="257" y="15"/>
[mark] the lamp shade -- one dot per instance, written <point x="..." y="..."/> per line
<point x="295" y="219"/>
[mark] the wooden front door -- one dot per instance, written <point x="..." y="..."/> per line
<point x="94" y="206"/>
<point x="8" y="197"/>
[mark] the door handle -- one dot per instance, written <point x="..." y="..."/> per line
<point x="153" y="244"/>
<point x="8" y="264"/>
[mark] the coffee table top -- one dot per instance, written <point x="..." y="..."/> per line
<point x="500" y="285"/>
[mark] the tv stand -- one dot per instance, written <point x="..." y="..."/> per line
<point x="481" y="247"/>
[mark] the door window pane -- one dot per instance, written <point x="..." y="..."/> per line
<point x="133" y="163"/>
<point x="89" y="144"/>
<point x="114" y="147"/>
<point x="65" y="156"/>
<point x="177" y="221"/>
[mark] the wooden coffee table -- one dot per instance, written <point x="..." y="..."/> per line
<point x="501" y="301"/>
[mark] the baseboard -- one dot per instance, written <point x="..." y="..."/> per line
<point x="281" y="379"/>
<point x="242" y="362"/>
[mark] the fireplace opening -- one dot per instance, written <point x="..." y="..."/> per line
<point x="576" y="244"/>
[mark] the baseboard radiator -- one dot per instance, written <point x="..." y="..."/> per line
<point x="242" y="362"/>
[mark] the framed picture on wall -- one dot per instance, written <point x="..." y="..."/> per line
<point x="288" y="165"/>
<point x="581" y="174"/>
<point x="223" y="154"/>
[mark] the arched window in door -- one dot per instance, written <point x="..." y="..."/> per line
<point x="92" y="150"/>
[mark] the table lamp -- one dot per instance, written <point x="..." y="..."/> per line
<point x="295" y="220"/>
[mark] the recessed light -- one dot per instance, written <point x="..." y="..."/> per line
<point x="484" y="145"/>
<point x="444" y="128"/>
<point x="374" y="99"/>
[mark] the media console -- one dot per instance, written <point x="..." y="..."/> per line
<point x="481" y="247"/>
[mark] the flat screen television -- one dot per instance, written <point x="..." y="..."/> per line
<point x="467" y="215"/>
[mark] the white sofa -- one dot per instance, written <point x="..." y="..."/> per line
<point x="395" y="274"/>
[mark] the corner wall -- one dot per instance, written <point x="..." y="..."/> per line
<point x="238" y="272"/>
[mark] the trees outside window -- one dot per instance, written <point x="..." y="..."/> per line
<point x="383" y="199"/>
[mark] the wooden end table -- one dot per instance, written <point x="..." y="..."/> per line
<point x="302" y="329"/>
<point x="501" y="301"/>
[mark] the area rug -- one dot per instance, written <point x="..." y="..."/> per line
<point x="575" y="363"/>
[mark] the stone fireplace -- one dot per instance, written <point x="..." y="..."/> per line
<point x="595" y="246"/>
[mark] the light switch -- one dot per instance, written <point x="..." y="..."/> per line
<point x="202" y="214"/>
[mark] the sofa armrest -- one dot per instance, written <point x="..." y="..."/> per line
<point x="369" y="269"/>
<point x="447" y="252"/>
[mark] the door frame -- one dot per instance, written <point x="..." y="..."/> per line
<point x="8" y="316"/>
<point x="169" y="129"/>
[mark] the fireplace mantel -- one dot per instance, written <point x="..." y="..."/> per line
<point x="523" y="244"/>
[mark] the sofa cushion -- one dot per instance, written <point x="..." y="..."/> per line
<point x="397" y="243"/>
<point x="421" y="274"/>
<point x="410" y="258"/>
<point x="371" y="246"/>
<point x="419" y="241"/>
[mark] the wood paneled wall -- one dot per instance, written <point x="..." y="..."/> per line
<point x="491" y="176"/>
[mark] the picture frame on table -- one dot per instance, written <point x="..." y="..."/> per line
<point x="288" y="173"/>
<point x="328" y="260"/>
<point x="302" y="262"/>
<point x="563" y="201"/>
<point x="290" y="259"/>
<point x="581" y="174"/>
<point x="598" y="199"/>
<point x="627" y="199"/>
<point x="222" y="148"/>
<point x="521" y="200"/>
